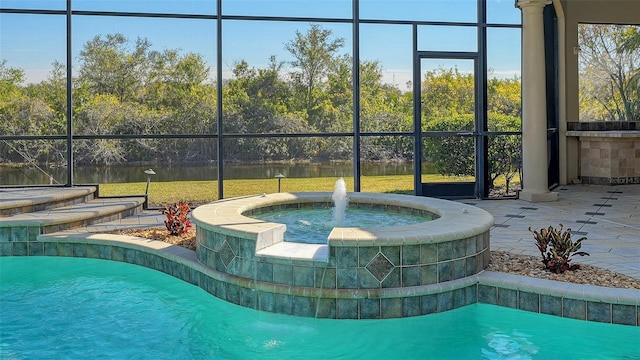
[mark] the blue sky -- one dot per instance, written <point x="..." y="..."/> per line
<point x="33" y="42"/>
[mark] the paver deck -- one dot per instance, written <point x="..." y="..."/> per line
<point x="609" y="216"/>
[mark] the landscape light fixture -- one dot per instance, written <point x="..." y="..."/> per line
<point x="279" y="177"/>
<point x="149" y="172"/>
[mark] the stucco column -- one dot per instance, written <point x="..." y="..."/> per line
<point x="534" y="104"/>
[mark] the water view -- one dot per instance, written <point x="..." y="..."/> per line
<point x="30" y="175"/>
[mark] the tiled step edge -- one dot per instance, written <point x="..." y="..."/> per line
<point x="26" y="227"/>
<point x="45" y="198"/>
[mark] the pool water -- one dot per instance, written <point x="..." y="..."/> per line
<point x="313" y="226"/>
<point x="76" y="308"/>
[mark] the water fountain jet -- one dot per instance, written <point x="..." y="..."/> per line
<point x="340" y="202"/>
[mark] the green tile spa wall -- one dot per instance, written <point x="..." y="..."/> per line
<point x="365" y="267"/>
<point x="294" y="300"/>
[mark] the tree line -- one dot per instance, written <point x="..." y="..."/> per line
<point x="125" y="87"/>
<point x="609" y="62"/>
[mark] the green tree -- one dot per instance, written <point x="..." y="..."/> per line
<point x="173" y="78"/>
<point x="313" y="53"/>
<point x="449" y="106"/>
<point x="505" y="151"/>
<point x="259" y="101"/>
<point x="504" y="96"/>
<point x="384" y="108"/>
<point x="455" y="156"/>
<point x="609" y="66"/>
<point x="447" y="92"/>
<point x="25" y="113"/>
<point x="256" y="96"/>
<point x="631" y="42"/>
<point x="53" y="91"/>
<point x="109" y="66"/>
<point x="451" y="155"/>
<point x="11" y="80"/>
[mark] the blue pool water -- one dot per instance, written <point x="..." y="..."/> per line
<point x="76" y="308"/>
<point x="313" y="226"/>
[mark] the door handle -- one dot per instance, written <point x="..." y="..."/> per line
<point x="465" y="133"/>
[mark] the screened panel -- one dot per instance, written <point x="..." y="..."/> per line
<point x="312" y="164"/>
<point x="504" y="88"/>
<point x="145" y="76"/>
<point x="505" y="165"/>
<point x="171" y="152"/>
<point x="34" y="4"/>
<point x="295" y="79"/>
<point x="448" y="159"/>
<point x="386" y="101"/>
<point x="447" y="38"/>
<point x="140" y="76"/>
<point x="448" y="95"/>
<point x="289" y="8"/>
<point x="503" y="12"/>
<point x="504" y="106"/>
<point x="204" y="7"/>
<point x="33" y="162"/>
<point x="424" y="10"/>
<point x="180" y="169"/>
<point x="387" y="164"/>
<point x="33" y="64"/>
<point x="504" y="52"/>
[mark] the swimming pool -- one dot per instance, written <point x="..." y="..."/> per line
<point x="56" y="307"/>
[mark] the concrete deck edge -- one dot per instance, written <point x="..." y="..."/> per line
<point x="80" y="212"/>
<point x="51" y="195"/>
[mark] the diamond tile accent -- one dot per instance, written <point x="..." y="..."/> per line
<point x="380" y="267"/>
<point x="226" y="254"/>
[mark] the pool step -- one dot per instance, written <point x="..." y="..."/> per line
<point x="296" y="251"/>
<point x="14" y="201"/>
<point x="27" y="226"/>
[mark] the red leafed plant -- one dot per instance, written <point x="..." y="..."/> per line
<point x="178" y="222"/>
<point x="556" y="248"/>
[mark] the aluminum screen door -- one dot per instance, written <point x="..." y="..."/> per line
<point x="447" y="121"/>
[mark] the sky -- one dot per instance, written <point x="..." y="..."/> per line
<point x="34" y="42"/>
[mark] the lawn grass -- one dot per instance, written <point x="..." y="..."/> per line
<point x="200" y="192"/>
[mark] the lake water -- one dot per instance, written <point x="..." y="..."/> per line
<point x="29" y="175"/>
